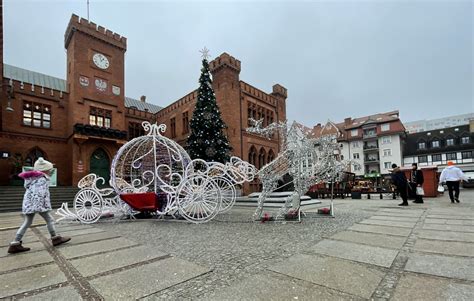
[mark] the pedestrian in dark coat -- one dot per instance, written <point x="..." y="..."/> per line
<point x="416" y="180"/>
<point x="400" y="181"/>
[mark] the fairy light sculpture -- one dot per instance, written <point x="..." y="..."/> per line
<point x="307" y="160"/>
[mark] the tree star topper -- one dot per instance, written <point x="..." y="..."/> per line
<point x="204" y="53"/>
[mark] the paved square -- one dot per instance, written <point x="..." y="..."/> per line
<point x="64" y="293"/>
<point x="276" y="287"/>
<point x="339" y="274"/>
<point x="381" y="229"/>
<point x="373" y="239"/>
<point x="72" y="251"/>
<point x="445" y="247"/>
<point x="30" y="279"/>
<point x="392" y="223"/>
<point x="458" y="228"/>
<point x="356" y="252"/>
<point x="422" y="287"/>
<point x="100" y="263"/>
<point x="145" y="280"/>
<point x="394" y="218"/>
<point x="446" y="266"/>
<point x="357" y="255"/>
<point x="12" y="262"/>
<point x="447" y="235"/>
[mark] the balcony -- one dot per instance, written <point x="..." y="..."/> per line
<point x="370" y="147"/>
<point x="97" y="131"/>
<point x="369" y="135"/>
<point x="371" y="160"/>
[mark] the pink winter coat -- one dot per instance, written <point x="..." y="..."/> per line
<point x="36" y="198"/>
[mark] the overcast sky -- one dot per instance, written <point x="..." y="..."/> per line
<point x="336" y="58"/>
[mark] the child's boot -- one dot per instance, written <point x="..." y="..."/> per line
<point x="16" y="247"/>
<point x="58" y="239"/>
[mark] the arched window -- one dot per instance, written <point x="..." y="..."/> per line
<point x="262" y="156"/>
<point x="253" y="155"/>
<point x="33" y="155"/>
<point x="271" y="156"/>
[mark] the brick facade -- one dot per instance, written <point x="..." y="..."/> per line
<point x="92" y="93"/>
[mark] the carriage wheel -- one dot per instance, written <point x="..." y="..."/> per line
<point x="88" y="205"/>
<point x="199" y="199"/>
<point x="228" y="194"/>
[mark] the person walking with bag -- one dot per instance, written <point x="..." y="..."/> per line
<point x="36" y="200"/>
<point x="401" y="182"/>
<point x="452" y="175"/>
<point x="416" y="184"/>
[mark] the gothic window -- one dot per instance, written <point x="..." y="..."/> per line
<point x="36" y="115"/>
<point x="100" y="117"/>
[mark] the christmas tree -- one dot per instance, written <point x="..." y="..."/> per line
<point x="207" y="140"/>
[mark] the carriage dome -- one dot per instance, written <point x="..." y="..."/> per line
<point x="149" y="162"/>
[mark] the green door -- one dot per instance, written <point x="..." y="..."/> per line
<point x="100" y="165"/>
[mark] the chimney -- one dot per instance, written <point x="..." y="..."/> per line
<point x="347" y="121"/>
<point x="143" y="98"/>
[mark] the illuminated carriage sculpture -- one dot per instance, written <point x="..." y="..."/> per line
<point x="194" y="189"/>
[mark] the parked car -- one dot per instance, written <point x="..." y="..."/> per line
<point x="470" y="179"/>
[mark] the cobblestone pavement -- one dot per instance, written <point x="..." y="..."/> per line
<point x="372" y="249"/>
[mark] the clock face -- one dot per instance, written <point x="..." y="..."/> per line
<point x="100" y="61"/>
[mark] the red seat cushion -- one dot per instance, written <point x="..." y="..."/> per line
<point x="141" y="201"/>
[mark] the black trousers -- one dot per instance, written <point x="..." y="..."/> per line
<point x="403" y="194"/>
<point x="453" y="186"/>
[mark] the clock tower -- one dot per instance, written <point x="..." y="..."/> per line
<point x="95" y="73"/>
<point x="96" y="106"/>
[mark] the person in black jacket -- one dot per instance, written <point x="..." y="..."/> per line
<point x="400" y="181"/>
<point x="416" y="180"/>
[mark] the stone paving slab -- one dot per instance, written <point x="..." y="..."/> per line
<point x="421" y="287"/>
<point x="356" y="252"/>
<point x="116" y="259"/>
<point x="452" y="216"/>
<point x="381" y="229"/>
<point x="374" y="239"/>
<point x="73" y="233"/>
<point x="394" y="218"/>
<point x="342" y="275"/>
<point x="80" y="239"/>
<point x="147" y="279"/>
<point x="64" y="228"/>
<point x="464" y="222"/>
<point x="276" y="287"/>
<point x="35" y="246"/>
<point x="26" y="239"/>
<point x="17" y="261"/>
<point x="445" y="266"/>
<point x="8" y="235"/>
<point x="407" y="212"/>
<point x="446" y="235"/>
<point x="458" y="228"/>
<point x="22" y="281"/>
<point x="389" y="223"/>
<point x="63" y="293"/>
<point x="445" y="247"/>
<point x="95" y="247"/>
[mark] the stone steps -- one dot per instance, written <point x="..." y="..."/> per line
<point x="11" y="197"/>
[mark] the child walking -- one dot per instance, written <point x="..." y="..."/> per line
<point x="36" y="200"/>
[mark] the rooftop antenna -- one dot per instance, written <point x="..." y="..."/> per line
<point x="88" y="10"/>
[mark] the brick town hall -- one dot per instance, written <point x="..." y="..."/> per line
<point x="79" y="123"/>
